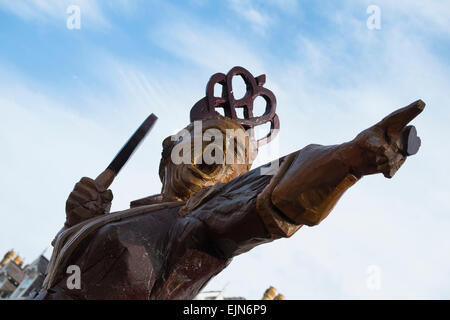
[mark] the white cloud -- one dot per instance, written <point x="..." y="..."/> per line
<point x="258" y="20"/>
<point x="287" y="6"/>
<point x="209" y="48"/>
<point x="430" y="16"/>
<point x="44" y="150"/>
<point x="51" y="11"/>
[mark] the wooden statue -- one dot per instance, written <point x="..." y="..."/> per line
<point x="168" y="246"/>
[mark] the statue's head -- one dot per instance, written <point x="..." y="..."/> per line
<point x="216" y="148"/>
<point x="205" y="152"/>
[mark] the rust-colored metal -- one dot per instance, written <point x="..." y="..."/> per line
<point x="206" y="107"/>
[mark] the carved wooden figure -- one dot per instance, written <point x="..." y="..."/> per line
<point x="168" y="246"/>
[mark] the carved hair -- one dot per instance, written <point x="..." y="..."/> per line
<point x="181" y="181"/>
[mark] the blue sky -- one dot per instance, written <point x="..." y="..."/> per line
<point x="70" y="98"/>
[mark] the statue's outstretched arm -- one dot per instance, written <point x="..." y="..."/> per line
<point x="317" y="176"/>
<point x="255" y="208"/>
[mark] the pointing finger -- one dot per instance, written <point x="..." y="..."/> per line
<point x="397" y="120"/>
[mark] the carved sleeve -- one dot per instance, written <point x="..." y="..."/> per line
<point x="305" y="189"/>
<point x="258" y="207"/>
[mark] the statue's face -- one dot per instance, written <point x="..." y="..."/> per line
<point x="205" y="153"/>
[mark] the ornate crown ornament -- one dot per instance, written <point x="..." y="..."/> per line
<point x="207" y="106"/>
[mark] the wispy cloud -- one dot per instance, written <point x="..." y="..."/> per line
<point x="431" y="16"/>
<point x="206" y="46"/>
<point x="55" y="11"/>
<point x="258" y="20"/>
